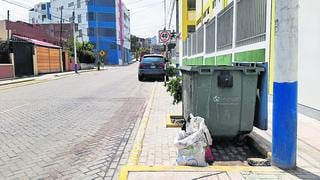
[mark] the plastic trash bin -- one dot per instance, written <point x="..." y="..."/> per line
<point x="225" y="96"/>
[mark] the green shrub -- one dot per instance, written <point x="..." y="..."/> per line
<point x="171" y="71"/>
<point x="175" y="88"/>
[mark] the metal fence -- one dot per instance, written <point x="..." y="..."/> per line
<point x="210" y="36"/>
<point x="200" y="37"/>
<point x="225" y="28"/>
<point x="194" y="44"/>
<point x="251" y="22"/>
<point x="185" y="48"/>
<point x="189" y="46"/>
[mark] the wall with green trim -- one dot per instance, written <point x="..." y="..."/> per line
<point x="251" y="56"/>
<point x="246" y="56"/>
<point x="224" y="59"/>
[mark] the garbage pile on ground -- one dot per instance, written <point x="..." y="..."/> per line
<point x="194" y="144"/>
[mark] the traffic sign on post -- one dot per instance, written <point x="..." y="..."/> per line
<point x="164" y="36"/>
<point x="102" y="53"/>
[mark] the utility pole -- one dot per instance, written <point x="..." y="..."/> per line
<point x="177" y="16"/>
<point x="166" y="44"/>
<point x="165" y="13"/>
<point x="8" y="32"/>
<point x="284" y="132"/>
<point x="75" y="42"/>
<point x="61" y="8"/>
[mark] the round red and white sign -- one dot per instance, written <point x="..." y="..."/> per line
<point x="164" y="36"/>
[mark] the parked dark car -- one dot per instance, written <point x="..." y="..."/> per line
<point x="152" y="66"/>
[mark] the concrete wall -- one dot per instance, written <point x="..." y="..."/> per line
<point x="6" y="71"/>
<point x="309" y="61"/>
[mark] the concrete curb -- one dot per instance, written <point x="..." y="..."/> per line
<point x="260" y="144"/>
<point x="138" y="142"/>
<point x="17" y="81"/>
<point x="229" y="169"/>
<point x="38" y="78"/>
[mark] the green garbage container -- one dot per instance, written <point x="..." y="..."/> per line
<point x="224" y="96"/>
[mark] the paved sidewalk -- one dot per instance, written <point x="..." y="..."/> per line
<point x="157" y="159"/>
<point x="41" y="77"/>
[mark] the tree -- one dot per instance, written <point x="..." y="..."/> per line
<point x="85" y="51"/>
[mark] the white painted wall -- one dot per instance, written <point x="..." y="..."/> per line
<point x="309" y="54"/>
<point x="126" y="27"/>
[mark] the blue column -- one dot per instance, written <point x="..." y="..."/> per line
<point x="284" y="130"/>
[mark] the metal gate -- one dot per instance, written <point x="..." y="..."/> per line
<point x="23" y="58"/>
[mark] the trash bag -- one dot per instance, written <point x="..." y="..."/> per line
<point x="192" y="143"/>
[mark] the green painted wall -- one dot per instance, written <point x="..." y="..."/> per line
<point x="247" y="56"/>
<point x="251" y="56"/>
<point x="224" y="60"/>
<point x="210" y="60"/>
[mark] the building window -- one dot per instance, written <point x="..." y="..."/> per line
<point x="102" y="32"/>
<point x="191" y="5"/>
<point x="71" y="4"/>
<point x="79" y="18"/>
<point x="43" y="17"/>
<point x="78" y="4"/>
<point x="106" y="17"/>
<point x="43" y="6"/>
<point x="80" y="32"/>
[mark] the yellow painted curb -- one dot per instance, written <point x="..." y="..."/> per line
<point x="137" y="145"/>
<point x="169" y="123"/>
<point x="125" y="170"/>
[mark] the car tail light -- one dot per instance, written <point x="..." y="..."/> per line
<point x="161" y="65"/>
<point x="141" y="66"/>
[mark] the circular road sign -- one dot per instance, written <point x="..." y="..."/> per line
<point x="164" y="36"/>
<point x="102" y="53"/>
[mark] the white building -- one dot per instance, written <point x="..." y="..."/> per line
<point x="67" y="7"/>
<point x="105" y="23"/>
<point x="123" y="31"/>
<point x="40" y="14"/>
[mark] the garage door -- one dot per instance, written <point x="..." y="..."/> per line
<point x="55" y="60"/>
<point x="48" y="60"/>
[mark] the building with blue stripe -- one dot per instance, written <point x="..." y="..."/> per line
<point x="105" y="23"/>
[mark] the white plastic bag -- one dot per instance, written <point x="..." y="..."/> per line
<point x="191" y="143"/>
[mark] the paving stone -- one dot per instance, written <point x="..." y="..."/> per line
<point x="72" y="125"/>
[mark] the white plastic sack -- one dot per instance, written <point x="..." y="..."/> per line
<point x="197" y="124"/>
<point x="191" y="143"/>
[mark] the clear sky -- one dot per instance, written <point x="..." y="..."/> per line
<point x="147" y="16"/>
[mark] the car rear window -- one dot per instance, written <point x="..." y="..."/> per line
<point x="153" y="59"/>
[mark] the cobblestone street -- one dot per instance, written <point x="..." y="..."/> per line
<point x="76" y="127"/>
